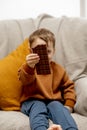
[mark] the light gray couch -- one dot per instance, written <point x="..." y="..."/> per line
<point x="71" y="52"/>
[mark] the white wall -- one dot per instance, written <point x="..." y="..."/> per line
<point x="85" y="2"/>
<point x="12" y="9"/>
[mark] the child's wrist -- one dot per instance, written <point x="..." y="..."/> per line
<point x="69" y="108"/>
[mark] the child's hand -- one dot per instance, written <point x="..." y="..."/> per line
<point x="69" y="108"/>
<point x="32" y="59"/>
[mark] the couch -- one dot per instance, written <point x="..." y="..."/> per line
<point x="71" y="53"/>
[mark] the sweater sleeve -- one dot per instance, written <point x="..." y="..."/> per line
<point x="69" y="94"/>
<point x="26" y="74"/>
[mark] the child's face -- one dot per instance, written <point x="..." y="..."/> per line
<point x="50" y="48"/>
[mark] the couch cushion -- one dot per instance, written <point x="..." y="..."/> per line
<point x="81" y="90"/>
<point x="10" y="86"/>
<point x="12" y="120"/>
<point x="81" y="121"/>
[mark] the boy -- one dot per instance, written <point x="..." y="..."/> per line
<point x="47" y="96"/>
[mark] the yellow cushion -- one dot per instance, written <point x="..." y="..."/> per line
<point x="10" y="86"/>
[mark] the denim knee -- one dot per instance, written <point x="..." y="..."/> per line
<point x="54" y="103"/>
<point x="61" y="115"/>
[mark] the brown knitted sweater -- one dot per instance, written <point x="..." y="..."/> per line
<point x="54" y="86"/>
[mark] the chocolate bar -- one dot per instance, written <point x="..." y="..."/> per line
<point x="43" y="66"/>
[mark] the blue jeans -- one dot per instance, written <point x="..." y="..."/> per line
<point x="40" y="111"/>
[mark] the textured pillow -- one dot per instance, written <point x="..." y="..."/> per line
<point x="81" y="90"/>
<point x="10" y="86"/>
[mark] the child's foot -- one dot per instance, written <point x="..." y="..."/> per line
<point x="55" y="127"/>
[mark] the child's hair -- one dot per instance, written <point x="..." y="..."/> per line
<point x="43" y="34"/>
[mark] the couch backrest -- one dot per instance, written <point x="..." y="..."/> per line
<point x="71" y="39"/>
<point x="12" y="33"/>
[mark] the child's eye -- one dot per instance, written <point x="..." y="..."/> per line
<point x="49" y="51"/>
